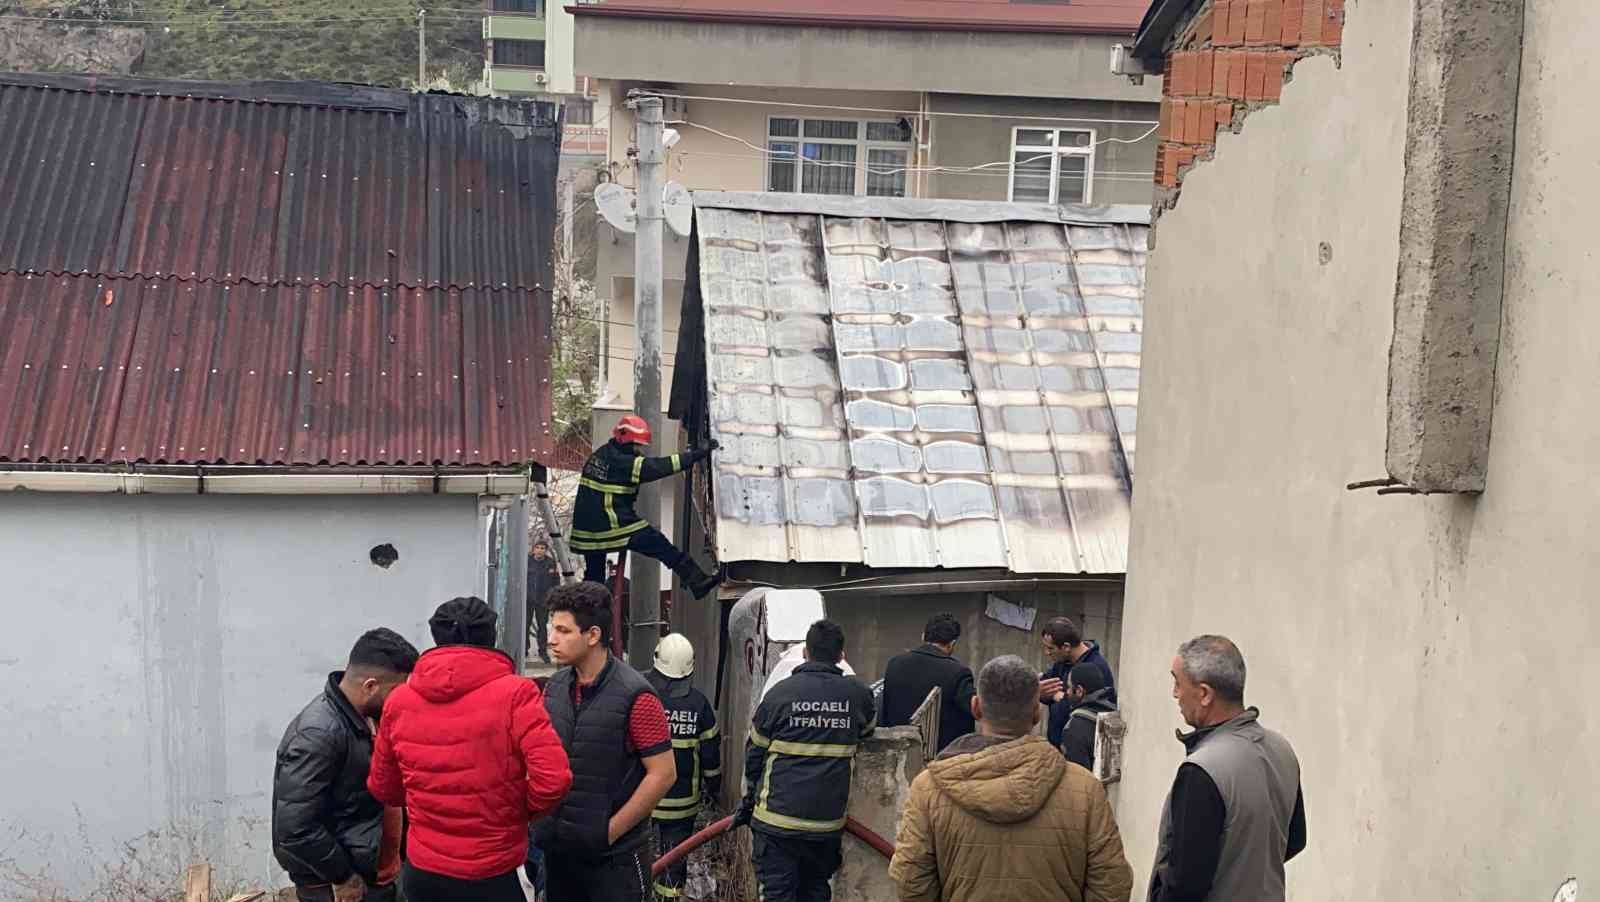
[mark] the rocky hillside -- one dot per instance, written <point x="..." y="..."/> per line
<point x="372" y="41"/>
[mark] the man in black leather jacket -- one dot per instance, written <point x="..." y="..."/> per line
<point x="327" y="830"/>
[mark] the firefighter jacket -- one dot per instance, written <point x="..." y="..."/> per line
<point x="696" y="748"/>
<point x="797" y="760"/>
<point x="602" y="517"/>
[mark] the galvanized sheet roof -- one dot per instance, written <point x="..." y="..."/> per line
<point x="272" y="273"/>
<point x="921" y="393"/>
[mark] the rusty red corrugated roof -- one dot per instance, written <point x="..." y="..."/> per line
<point x="1062" y="16"/>
<point x="275" y="274"/>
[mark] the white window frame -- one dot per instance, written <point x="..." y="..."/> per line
<point x="863" y="148"/>
<point x="1057" y="153"/>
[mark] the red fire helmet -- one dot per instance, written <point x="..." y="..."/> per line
<point x="632" y="430"/>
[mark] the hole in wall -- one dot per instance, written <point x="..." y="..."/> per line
<point x="384" y="555"/>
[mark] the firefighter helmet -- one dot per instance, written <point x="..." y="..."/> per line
<point x="674" y="656"/>
<point x="632" y="430"/>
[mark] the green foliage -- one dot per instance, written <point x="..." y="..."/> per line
<point x="370" y="42"/>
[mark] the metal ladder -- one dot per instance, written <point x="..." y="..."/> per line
<point x="566" y="562"/>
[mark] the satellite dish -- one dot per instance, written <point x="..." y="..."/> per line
<point x="616" y="206"/>
<point x="678" y="208"/>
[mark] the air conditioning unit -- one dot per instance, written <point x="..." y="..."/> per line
<point x="540" y="78"/>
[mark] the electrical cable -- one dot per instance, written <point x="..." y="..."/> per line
<point x="907" y="113"/>
<point x="793" y="156"/>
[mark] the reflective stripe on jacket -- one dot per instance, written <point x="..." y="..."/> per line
<point x="696" y="748"/>
<point x="602" y="516"/>
<point x="802" y="739"/>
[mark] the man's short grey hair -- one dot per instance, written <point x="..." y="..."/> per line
<point x="1215" y="661"/>
<point x="1008" y="689"/>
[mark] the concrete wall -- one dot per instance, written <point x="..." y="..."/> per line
<point x="1122" y="171"/>
<point x="1426" y="656"/>
<point x="155" y="649"/>
<point x="878" y="627"/>
<point x="1033" y="65"/>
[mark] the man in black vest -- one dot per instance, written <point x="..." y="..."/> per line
<point x="797" y="770"/>
<point x="697" y="749"/>
<point x="615" y="733"/>
<point x="911" y="676"/>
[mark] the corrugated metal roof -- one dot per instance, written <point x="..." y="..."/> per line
<point x="272" y="273"/>
<point x="164" y="371"/>
<point x="1075" y="17"/>
<point x="446" y="191"/>
<point x="920" y="393"/>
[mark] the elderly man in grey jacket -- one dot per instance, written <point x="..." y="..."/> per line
<point x="1235" y="815"/>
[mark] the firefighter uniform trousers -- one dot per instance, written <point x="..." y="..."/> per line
<point x="697" y="751"/>
<point x="797" y="771"/>
<point x="603" y="518"/>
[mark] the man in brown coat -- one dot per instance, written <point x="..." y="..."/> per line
<point x="1001" y="816"/>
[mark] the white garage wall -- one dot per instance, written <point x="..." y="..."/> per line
<point x="154" y="648"/>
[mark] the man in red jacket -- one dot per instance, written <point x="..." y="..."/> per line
<point x="466" y="746"/>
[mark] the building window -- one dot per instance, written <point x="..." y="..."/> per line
<point x="519" y="53"/>
<point x="838" y="156"/>
<point x="1052" y="165"/>
<point x="578" y="111"/>
<point x="529" y="7"/>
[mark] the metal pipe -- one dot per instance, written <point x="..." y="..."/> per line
<point x="210" y="483"/>
<point x="851" y="825"/>
<point x="947" y="587"/>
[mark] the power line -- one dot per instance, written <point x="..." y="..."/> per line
<point x="1110" y="174"/>
<point x="795" y="156"/>
<point x="914" y="113"/>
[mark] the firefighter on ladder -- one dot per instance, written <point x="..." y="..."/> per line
<point x="603" y="519"/>
<point x="697" y="746"/>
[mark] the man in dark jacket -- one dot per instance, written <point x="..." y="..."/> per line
<point x="603" y="518"/>
<point x="797" y="770"/>
<point x="911" y="676"/>
<point x="614" y="728"/>
<point x="696" y="750"/>
<point x="542" y="577"/>
<point x="1086" y="693"/>
<point x="327" y="829"/>
<point x="1065" y="646"/>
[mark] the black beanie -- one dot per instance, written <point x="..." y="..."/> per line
<point x="464" y="621"/>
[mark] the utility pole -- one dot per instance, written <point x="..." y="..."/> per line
<point x="422" y="49"/>
<point x="646" y="594"/>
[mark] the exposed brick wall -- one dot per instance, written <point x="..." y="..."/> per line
<point x="1232" y="58"/>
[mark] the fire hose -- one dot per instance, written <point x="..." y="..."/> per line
<point x="851" y="826"/>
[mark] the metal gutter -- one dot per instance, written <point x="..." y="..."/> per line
<point x="1150" y="43"/>
<point x="953" y="587"/>
<point x="823" y="20"/>
<point x="966" y="211"/>
<point x="202" y="483"/>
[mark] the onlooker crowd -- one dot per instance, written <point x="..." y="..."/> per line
<point x="438" y="777"/>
